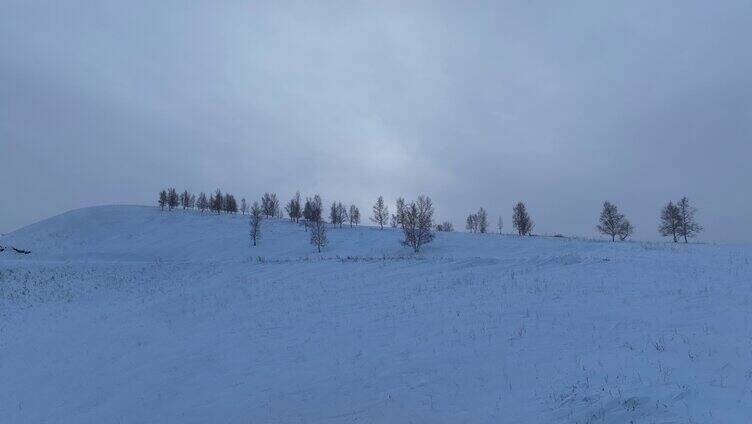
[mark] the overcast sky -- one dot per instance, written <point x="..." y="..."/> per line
<point x="559" y="104"/>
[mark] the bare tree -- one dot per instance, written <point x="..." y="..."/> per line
<point x="471" y="223"/>
<point x="318" y="234"/>
<point x="445" y="226"/>
<point x="270" y="205"/>
<point x="400" y="213"/>
<point x="202" y="203"/>
<point x="216" y="202"/>
<point x="337" y="214"/>
<point x="185" y="199"/>
<point x="255" y="223"/>
<point x="317" y="208"/>
<point x="341" y="214"/>
<point x="313" y="210"/>
<point x="192" y="201"/>
<point x="243" y="206"/>
<point x="307" y="212"/>
<point x="613" y="223"/>
<point x="380" y="212"/>
<point x="500" y="224"/>
<point x="333" y="218"/>
<point x="226" y="203"/>
<point x="417" y="223"/>
<point x="670" y="221"/>
<point x="172" y="198"/>
<point x="354" y="215"/>
<point x="162" y="199"/>
<point x="229" y="204"/>
<point x="482" y="218"/>
<point x="521" y="220"/>
<point x="293" y="208"/>
<point x="688" y="227"/>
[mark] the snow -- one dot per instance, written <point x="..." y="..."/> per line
<point x="132" y="314"/>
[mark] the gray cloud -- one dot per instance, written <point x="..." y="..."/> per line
<point x="559" y="105"/>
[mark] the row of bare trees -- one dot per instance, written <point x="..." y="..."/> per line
<point x="339" y="214"/>
<point x="415" y="218"/>
<point x="216" y="202"/>
<point x="677" y="221"/>
<point x="478" y="222"/>
<point x="309" y="212"/>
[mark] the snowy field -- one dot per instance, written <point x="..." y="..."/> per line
<point x="127" y="314"/>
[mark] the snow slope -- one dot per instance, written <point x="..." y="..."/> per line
<point x="130" y="314"/>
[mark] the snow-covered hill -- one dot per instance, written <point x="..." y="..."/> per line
<point x="131" y="314"/>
